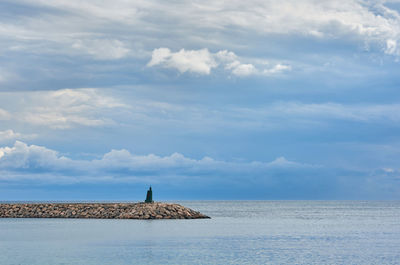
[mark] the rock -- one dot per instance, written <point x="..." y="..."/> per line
<point x="155" y="210"/>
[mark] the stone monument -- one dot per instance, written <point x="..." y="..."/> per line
<point x="149" y="196"/>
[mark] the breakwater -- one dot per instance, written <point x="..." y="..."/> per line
<point x="156" y="210"/>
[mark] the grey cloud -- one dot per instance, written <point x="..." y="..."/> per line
<point x="372" y="22"/>
<point x="105" y="31"/>
<point x="273" y="116"/>
<point x="34" y="164"/>
<point x="94" y="107"/>
<point x="121" y="164"/>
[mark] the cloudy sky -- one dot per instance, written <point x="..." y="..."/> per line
<point x="262" y="99"/>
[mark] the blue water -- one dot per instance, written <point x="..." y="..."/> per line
<point x="240" y="232"/>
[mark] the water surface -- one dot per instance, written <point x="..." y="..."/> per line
<point x="240" y="232"/>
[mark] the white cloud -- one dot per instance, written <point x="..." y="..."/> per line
<point x="69" y="107"/>
<point x="4" y="115"/>
<point x="391" y="47"/>
<point x="232" y="63"/>
<point x="124" y="159"/>
<point x="202" y="62"/>
<point x="61" y="109"/>
<point x="278" y="68"/>
<point x="196" y="61"/>
<point x="159" y="56"/>
<point x="242" y="69"/>
<point x="388" y="170"/>
<point x="102" y="49"/>
<point x="283" y="162"/>
<point x="22" y="156"/>
<point x="8" y="135"/>
<point x="226" y="57"/>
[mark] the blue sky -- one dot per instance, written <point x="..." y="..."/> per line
<point x="200" y="99"/>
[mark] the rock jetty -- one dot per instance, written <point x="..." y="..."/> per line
<point x="156" y="210"/>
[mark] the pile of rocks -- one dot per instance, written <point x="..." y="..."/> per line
<point x="156" y="210"/>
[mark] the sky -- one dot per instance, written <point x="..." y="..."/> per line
<point x="202" y="100"/>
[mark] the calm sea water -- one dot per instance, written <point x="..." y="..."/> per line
<point x="240" y="232"/>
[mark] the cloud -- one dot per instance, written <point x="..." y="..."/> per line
<point x="391" y="47"/>
<point x="279" y="115"/>
<point x="122" y="164"/>
<point x="8" y="135"/>
<point x="276" y="115"/>
<point x="126" y="12"/>
<point x="372" y="22"/>
<point x="279" y="68"/>
<point x="7" y="77"/>
<point x="202" y="62"/>
<point x="74" y="109"/>
<point x="241" y="69"/>
<point x="196" y="61"/>
<point x="66" y="108"/>
<point x="4" y="115"/>
<point x="283" y="162"/>
<point x="282" y="178"/>
<point x="388" y="170"/>
<point x="30" y="158"/>
<point x="102" y="49"/>
<point x="355" y="112"/>
<point x="86" y="41"/>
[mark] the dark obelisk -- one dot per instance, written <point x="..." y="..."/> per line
<point x="149" y="196"/>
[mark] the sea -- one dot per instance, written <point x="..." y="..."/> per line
<point x="239" y="232"/>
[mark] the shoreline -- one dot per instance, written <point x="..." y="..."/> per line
<point x="139" y="210"/>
